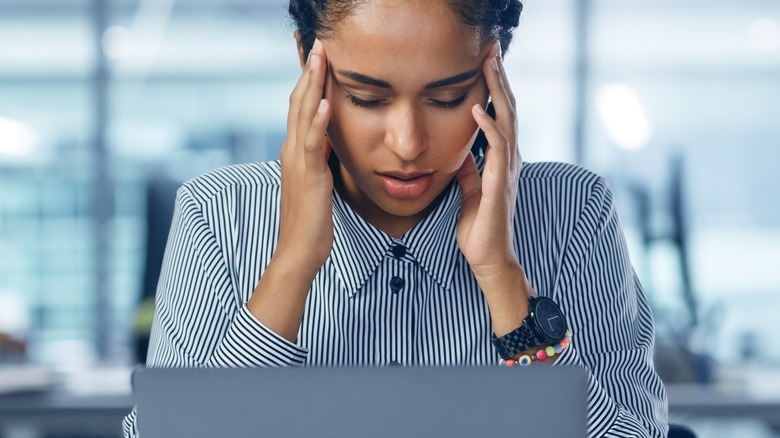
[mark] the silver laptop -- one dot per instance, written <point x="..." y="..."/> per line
<point x="451" y="402"/>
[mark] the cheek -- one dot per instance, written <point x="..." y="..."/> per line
<point x="351" y="131"/>
<point x="457" y="128"/>
<point x="453" y="135"/>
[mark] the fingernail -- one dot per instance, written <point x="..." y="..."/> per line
<point x="317" y="46"/>
<point x="496" y="55"/>
<point x="478" y="109"/>
<point x="494" y="64"/>
<point x="321" y="108"/>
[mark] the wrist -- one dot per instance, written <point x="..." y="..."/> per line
<point x="295" y="264"/>
<point x="506" y="292"/>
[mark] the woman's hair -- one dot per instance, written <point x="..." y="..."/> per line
<point x="494" y="18"/>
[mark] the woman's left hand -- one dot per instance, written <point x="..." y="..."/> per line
<point x="486" y="223"/>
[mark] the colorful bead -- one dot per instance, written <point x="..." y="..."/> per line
<point x="550" y="351"/>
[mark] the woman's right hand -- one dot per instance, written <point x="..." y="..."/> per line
<point x="306" y="223"/>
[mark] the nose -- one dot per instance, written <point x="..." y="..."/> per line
<point x="405" y="134"/>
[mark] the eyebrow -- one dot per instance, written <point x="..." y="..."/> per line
<point x="368" y="80"/>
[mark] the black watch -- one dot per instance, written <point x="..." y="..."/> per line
<point x="545" y="324"/>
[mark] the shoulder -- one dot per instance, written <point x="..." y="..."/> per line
<point x="558" y="194"/>
<point x="246" y="178"/>
<point x="556" y="172"/>
<point x="564" y="181"/>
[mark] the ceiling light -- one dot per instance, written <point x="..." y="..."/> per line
<point x="623" y="115"/>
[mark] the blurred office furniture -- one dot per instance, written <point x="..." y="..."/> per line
<point x="661" y="217"/>
<point x="160" y="199"/>
<point x="675" y="229"/>
<point x="24" y="378"/>
<point x="11" y="349"/>
<point x="85" y="404"/>
<point x="680" y="431"/>
<point x="60" y="415"/>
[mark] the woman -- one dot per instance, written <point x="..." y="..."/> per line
<point x="380" y="238"/>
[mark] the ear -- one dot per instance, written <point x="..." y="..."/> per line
<point x="301" y="58"/>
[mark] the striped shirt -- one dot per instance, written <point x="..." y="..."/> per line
<point x="380" y="300"/>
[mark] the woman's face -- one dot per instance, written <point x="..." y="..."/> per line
<point x="402" y="78"/>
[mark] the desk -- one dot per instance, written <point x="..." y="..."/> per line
<point x="55" y="414"/>
<point x="86" y="404"/>
<point x="723" y="404"/>
<point x="60" y="413"/>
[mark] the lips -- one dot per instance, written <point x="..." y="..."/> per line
<point x="406" y="185"/>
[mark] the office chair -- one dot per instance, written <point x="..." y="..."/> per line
<point x="680" y="431"/>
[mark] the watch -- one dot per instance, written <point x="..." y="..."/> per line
<point x="545" y="324"/>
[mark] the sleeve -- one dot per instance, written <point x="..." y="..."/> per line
<point x="198" y="321"/>
<point x="612" y="325"/>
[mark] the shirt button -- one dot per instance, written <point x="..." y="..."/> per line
<point x="396" y="284"/>
<point x="399" y="251"/>
<point x="394" y="363"/>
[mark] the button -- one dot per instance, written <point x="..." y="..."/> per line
<point x="394" y="363"/>
<point x="399" y="251"/>
<point x="396" y="284"/>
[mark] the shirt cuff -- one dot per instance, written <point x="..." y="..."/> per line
<point x="250" y="344"/>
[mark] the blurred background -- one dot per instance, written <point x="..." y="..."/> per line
<point x="106" y="106"/>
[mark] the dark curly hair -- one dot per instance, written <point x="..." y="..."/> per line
<point x="494" y="18"/>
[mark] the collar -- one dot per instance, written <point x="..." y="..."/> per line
<point x="359" y="247"/>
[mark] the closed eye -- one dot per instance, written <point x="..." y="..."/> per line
<point x="364" y="103"/>
<point x="450" y="103"/>
<point x="446" y="104"/>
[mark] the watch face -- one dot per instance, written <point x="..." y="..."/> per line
<point x="550" y="320"/>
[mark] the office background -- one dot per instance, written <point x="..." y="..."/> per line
<point x="107" y="105"/>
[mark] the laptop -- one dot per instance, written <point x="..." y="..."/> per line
<point x="451" y="402"/>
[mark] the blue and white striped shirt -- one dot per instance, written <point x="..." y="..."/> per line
<point x="412" y="300"/>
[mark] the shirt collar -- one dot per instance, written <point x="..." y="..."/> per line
<point x="359" y="247"/>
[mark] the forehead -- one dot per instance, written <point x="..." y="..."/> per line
<point x="409" y="39"/>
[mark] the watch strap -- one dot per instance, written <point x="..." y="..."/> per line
<point x="516" y="341"/>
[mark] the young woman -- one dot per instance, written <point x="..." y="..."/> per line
<point x="392" y="232"/>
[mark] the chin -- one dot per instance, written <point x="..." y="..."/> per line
<point x="399" y="207"/>
<point x="407" y="207"/>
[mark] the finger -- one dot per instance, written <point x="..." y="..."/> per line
<point x="295" y="103"/>
<point x="326" y="146"/>
<point x="468" y="178"/>
<point x="313" y="146"/>
<point x="504" y="79"/>
<point x="497" y="160"/>
<point x="514" y="155"/>
<point x="498" y="88"/>
<point x="314" y="91"/>
<point x="470" y="188"/>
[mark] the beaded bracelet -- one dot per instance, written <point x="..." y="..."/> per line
<point x="544" y="353"/>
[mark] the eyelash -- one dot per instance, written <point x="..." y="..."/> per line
<point x="375" y="103"/>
